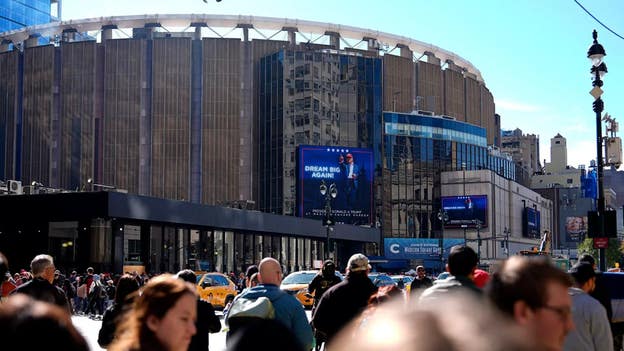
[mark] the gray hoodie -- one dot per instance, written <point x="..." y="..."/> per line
<point x="591" y="325"/>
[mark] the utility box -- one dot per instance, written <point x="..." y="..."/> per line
<point x="613" y="151"/>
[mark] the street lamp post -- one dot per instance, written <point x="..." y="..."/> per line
<point x="507" y="232"/>
<point x="443" y="218"/>
<point x="478" y="225"/>
<point x="596" y="53"/>
<point x="329" y="193"/>
<point x="463" y="166"/>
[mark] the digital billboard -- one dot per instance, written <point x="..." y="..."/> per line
<point x="531" y="223"/>
<point x="465" y="211"/>
<point x="349" y="169"/>
<point x="576" y="228"/>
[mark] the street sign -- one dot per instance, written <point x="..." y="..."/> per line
<point x="596" y="92"/>
<point x="601" y="243"/>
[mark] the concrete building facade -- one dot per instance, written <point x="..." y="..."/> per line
<point x="524" y="149"/>
<point x="209" y="108"/>
<point x="507" y="200"/>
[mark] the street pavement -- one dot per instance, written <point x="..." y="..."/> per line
<point x="89" y="328"/>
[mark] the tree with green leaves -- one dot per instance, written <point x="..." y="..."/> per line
<point x="613" y="252"/>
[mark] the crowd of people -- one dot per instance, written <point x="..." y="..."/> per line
<point x="525" y="304"/>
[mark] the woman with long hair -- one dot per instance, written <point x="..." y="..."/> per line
<point x="162" y="318"/>
<point x="126" y="290"/>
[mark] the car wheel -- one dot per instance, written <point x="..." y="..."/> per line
<point x="229" y="299"/>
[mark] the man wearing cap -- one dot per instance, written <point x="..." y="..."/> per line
<point x="323" y="280"/>
<point x="592" y="330"/>
<point x="421" y="281"/>
<point x="345" y="300"/>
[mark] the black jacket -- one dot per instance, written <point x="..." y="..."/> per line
<point x="320" y="284"/>
<point x="41" y="289"/>
<point x="109" y="323"/>
<point x="423" y="283"/>
<point x="341" y="303"/>
<point x="601" y="293"/>
<point x="207" y="322"/>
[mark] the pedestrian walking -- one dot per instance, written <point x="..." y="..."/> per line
<point x="592" y="331"/>
<point x="345" y="300"/>
<point x="41" y="287"/>
<point x="534" y="294"/>
<point x="162" y="318"/>
<point x="285" y="308"/>
<point x="207" y="321"/>
<point x="462" y="263"/>
<point x="421" y="281"/>
<point x="126" y="290"/>
<point x="29" y="324"/>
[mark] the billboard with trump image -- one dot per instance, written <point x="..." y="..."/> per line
<point x="346" y="173"/>
<point x="468" y="211"/>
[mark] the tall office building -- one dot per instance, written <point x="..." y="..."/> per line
<point x="15" y="14"/>
<point x="524" y="149"/>
<point x="311" y="98"/>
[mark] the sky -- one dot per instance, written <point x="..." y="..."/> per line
<point x="532" y="54"/>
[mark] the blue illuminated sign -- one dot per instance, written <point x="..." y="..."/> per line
<point x="418" y="249"/>
<point x="350" y="169"/>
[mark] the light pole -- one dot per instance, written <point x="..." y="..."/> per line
<point x="463" y="166"/>
<point x="478" y="225"/>
<point x="443" y="218"/>
<point x="507" y="232"/>
<point x="595" y="54"/>
<point x="328" y="221"/>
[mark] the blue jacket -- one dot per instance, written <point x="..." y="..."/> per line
<point x="288" y="311"/>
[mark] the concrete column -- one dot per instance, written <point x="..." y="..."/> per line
<point x="5" y="45"/>
<point x="431" y="58"/>
<point x="107" y="32"/>
<point x="292" y="34"/>
<point x="334" y="39"/>
<point x="245" y="27"/>
<point x="405" y="51"/>
<point x="69" y="35"/>
<point x="32" y="41"/>
<point x="373" y="44"/>
<point x="198" y="26"/>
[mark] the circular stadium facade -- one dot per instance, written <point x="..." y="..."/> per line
<point x="210" y="108"/>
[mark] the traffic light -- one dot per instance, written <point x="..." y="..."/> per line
<point x="597" y="230"/>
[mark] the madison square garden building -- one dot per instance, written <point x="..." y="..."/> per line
<point x="212" y="110"/>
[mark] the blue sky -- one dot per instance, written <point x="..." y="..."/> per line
<point x="531" y="53"/>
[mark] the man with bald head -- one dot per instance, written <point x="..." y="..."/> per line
<point x="288" y="310"/>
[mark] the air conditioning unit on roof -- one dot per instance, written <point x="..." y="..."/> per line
<point x="424" y="113"/>
<point x="15" y="187"/>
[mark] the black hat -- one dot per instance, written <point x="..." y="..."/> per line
<point x="582" y="272"/>
<point x="329" y="264"/>
<point x="251" y="270"/>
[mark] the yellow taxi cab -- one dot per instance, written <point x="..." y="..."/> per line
<point x="216" y="288"/>
<point x="296" y="284"/>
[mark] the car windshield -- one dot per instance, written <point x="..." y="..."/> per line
<point x="299" y="278"/>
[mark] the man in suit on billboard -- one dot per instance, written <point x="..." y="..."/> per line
<point x="351" y="171"/>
